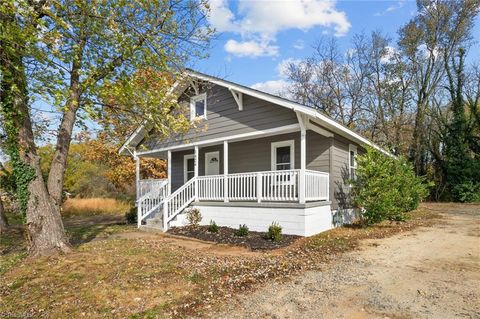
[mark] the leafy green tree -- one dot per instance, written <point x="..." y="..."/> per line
<point x="429" y="39"/>
<point x="386" y="187"/>
<point x="462" y="160"/>
<point x="70" y="53"/>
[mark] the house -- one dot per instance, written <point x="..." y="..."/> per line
<point x="253" y="159"/>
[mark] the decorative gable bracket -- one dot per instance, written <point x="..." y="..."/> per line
<point x="238" y="96"/>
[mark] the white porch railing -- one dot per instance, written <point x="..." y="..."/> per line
<point x="276" y="186"/>
<point x="151" y="200"/>
<point x="145" y="186"/>
<point x="178" y="201"/>
<point x="316" y="185"/>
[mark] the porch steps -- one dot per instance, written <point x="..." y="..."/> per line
<point x="155" y="222"/>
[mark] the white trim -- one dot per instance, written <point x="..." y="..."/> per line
<point x="302" y="120"/>
<point x="318" y="130"/>
<point x="234" y="138"/>
<point x="185" y="159"/>
<point x="193" y="108"/>
<point x="351" y="148"/>
<point x="238" y="98"/>
<point x="273" y="158"/>
<point x="196" y="158"/>
<point x="169" y="172"/>
<point x="218" y="156"/>
<point x="225" y="170"/>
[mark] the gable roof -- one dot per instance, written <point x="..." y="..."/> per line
<point x="315" y="114"/>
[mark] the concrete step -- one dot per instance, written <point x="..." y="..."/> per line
<point x="154" y="229"/>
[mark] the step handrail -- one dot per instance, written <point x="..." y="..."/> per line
<point x="147" y="204"/>
<point x="176" y="202"/>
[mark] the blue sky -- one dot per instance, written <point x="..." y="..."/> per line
<point x="256" y="36"/>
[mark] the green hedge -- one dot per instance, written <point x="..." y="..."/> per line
<point x="386" y="187"/>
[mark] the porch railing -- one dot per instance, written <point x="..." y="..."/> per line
<point x="316" y="185"/>
<point x="146" y="186"/>
<point x="263" y="186"/>
<point x="274" y="186"/>
<point x="151" y="199"/>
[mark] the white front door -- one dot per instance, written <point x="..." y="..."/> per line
<point x="212" y="163"/>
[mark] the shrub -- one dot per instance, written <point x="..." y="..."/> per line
<point x="275" y="232"/>
<point x="131" y="216"/>
<point x="467" y="192"/>
<point x="386" y="187"/>
<point x="242" y="230"/>
<point x="194" y="217"/>
<point x="213" y="227"/>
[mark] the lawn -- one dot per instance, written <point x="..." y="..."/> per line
<point x="116" y="271"/>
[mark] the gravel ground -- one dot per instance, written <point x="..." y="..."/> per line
<point x="427" y="273"/>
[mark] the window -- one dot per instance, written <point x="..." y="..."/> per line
<point x="188" y="167"/>
<point x="352" y="161"/>
<point x="283" y="155"/>
<point x="198" y="106"/>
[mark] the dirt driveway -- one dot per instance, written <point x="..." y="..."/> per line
<point x="428" y="273"/>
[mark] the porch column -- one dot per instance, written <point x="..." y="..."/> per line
<point x="225" y="171"/>
<point x="137" y="188"/>
<point x="303" y="158"/>
<point x="169" y="172"/>
<point x="137" y="174"/>
<point x="195" y="160"/>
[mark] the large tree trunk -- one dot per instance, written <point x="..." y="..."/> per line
<point x="3" y="218"/>
<point x="56" y="176"/>
<point x="44" y="223"/>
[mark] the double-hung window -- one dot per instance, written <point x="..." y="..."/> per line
<point x="352" y="161"/>
<point x="283" y="155"/>
<point x="198" y="106"/>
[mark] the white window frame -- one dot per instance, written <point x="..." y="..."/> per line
<point x="193" y="100"/>
<point x="352" y="148"/>
<point x="185" y="171"/>
<point x="273" y="156"/>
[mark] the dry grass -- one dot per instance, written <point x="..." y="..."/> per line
<point x="139" y="276"/>
<point x="94" y="206"/>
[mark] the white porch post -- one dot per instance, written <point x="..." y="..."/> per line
<point x="137" y="174"/>
<point x="195" y="159"/>
<point x="137" y="186"/>
<point x="303" y="158"/>
<point x="169" y="172"/>
<point x="225" y="171"/>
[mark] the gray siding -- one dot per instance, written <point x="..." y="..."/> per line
<point x="255" y="155"/>
<point x="318" y="152"/>
<point x="224" y="119"/>
<point x="340" y="172"/>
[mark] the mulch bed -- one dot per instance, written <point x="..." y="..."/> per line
<point x="226" y="235"/>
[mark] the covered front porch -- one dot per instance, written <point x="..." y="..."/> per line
<point x="269" y="169"/>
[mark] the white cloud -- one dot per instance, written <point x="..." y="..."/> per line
<point x="274" y="87"/>
<point x="391" y="8"/>
<point x="250" y="48"/>
<point x="279" y="86"/>
<point x="282" y="67"/>
<point x="299" y="45"/>
<point x="264" y="19"/>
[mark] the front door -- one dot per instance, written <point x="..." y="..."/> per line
<point x="212" y="163"/>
